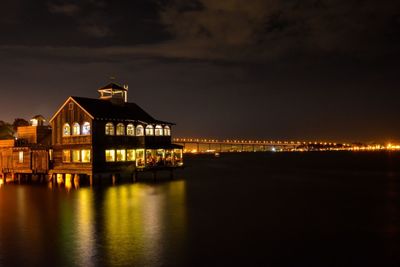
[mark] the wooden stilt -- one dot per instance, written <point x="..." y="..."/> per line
<point x="134" y="176"/>
<point x="91" y="180"/>
<point x="113" y="179"/>
<point x="154" y="176"/>
<point x="171" y="174"/>
<point x="77" y="180"/>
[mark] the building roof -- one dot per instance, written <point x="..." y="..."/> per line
<point x="103" y="109"/>
<point x="113" y="86"/>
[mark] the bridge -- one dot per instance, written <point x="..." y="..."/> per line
<point x="200" y="145"/>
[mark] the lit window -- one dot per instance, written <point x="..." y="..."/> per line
<point x="120" y="129"/>
<point x="66" y="130"/>
<point x="121" y="155"/>
<point x="85" y="155"/>
<point x="159" y="130"/>
<point x="110" y="155"/>
<point x="178" y="157"/>
<point x="130" y="155"/>
<point x="109" y="128"/>
<point x="140" y="158"/>
<point x="71" y="106"/>
<point x="66" y="156"/>
<point x="167" y="131"/>
<point x="76" y="129"/>
<point x="130" y="129"/>
<point x="139" y="130"/>
<point x="21" y="157"/>
<point x="76" y="155"/>
<point x="86" y="128"/>
<point x="50" y="154"/>
<point x="149" y="130"/>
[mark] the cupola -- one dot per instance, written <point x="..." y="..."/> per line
<point x="114" y="92"/>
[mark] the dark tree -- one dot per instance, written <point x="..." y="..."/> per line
<point x="6" y="130"/>
<point x="19" y="122"/>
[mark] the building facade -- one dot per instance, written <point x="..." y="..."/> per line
<point x="97" y="138"/>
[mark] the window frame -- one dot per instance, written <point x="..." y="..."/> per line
<point x="149" y="128"/>
<point x="120" y="129"/>
<point x="64" y="128"/>
<point x="130" y="125"/>
<point x="108" y="126"/>
<point x="83" y="127"/>
<point x="159" y="129"/>
<point x="140" y="128"/>
<point x="167" y="130"/>
<point x="76" y="126"/>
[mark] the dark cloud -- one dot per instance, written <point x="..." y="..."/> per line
<point x="249" y="69"/>
<point x="262" y="29"/>
<point x="68" y="9"/>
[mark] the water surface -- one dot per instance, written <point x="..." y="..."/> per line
<point x="245" y="209"/>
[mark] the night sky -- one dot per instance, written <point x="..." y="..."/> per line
<point x="267" y="69"/>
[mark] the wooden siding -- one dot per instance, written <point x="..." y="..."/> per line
<point x="35" y="134"/>
<point x="76" y="114"/>
<point x="33" y="161"/>
<point x="79" y="142"/>
<point x="7" y="143"/>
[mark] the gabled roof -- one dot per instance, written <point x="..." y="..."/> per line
<point x="107" y="110"/>
<point x="103" y="109"/>
<point x="113" y="86"/>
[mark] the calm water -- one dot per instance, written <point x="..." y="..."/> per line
<point x="278" y="209"/>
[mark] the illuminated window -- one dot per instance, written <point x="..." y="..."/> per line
<point x="167" y="131"/>
<point x="110" y="155"/>
<point x="109" y="128"/>
<point x="130" y="155"/>
<point x="140" y="158"/>
<point x="149" y="130"/>
<point x="66" y="156"/>
<point x="130" y="129"/>
<point x="120" y="129"/>
<point x="121" y="155"/>
<point x="76" y="129"/>
<point x="21" y="157"/>
<point x="86" y="128"/>
<point x="76" y="155"/>
<point x="159" y="130"/>
<point x="178" y="157"/>
<point x="139" y="130"/>
<point x="85" y="155"/>
<point x="71" y="106"/>
<point x="66" y="130"/>
<point x="51" y="154"/>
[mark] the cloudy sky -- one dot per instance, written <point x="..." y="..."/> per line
<point x="268" y="69"/>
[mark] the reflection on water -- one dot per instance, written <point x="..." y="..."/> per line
<point x="136" y="221"/>
<point x="121" y="225"/>
<point x="256" y="209"/>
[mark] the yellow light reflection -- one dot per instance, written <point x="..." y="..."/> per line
<point x="136" y="221"/>
<point x="85" y="227"/>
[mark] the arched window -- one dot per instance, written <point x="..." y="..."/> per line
<point x="86" y="128"/>
<point x="159" y="130"/>
<point x="130" y="129"/>
<point x="109" y="128"/>
<point x="139" y="130"/>
<point x="120" y="129"/>
<point x="167" y="131"/>
<point x="149" y="130"/>
<point x="66" y="130"/>
<point x="76" y="129"/>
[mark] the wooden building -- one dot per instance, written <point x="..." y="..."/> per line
<point x="28" y="155"/>
<point x="109" y="136"/>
